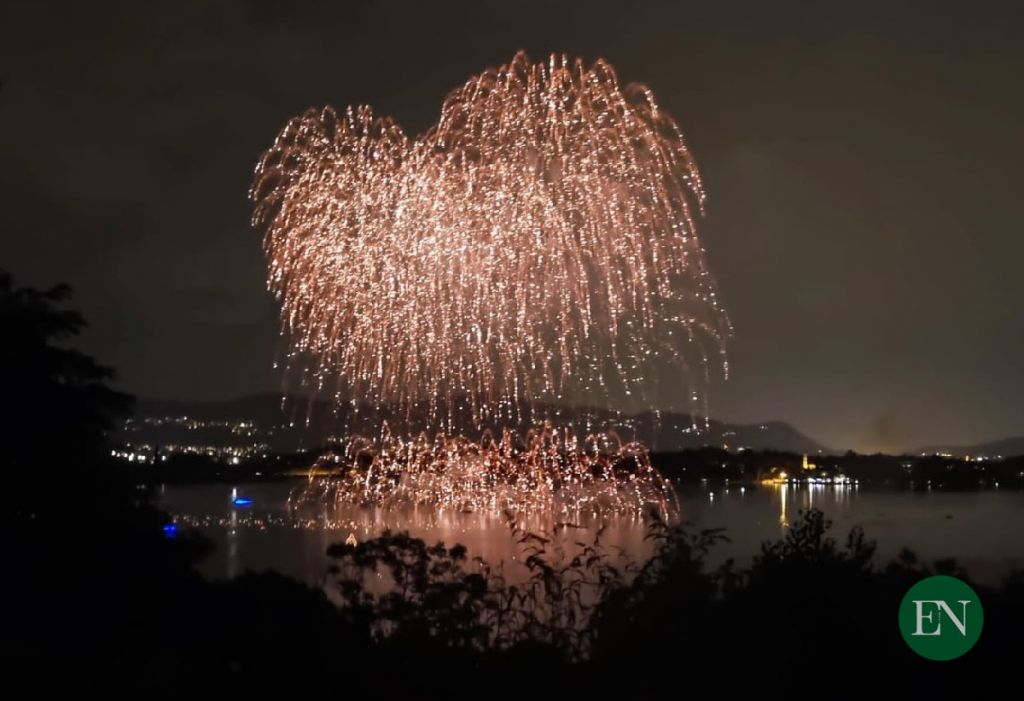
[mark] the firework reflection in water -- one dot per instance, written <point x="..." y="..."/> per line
<point x="551" y="472"/>
<point x="537" y="245"/>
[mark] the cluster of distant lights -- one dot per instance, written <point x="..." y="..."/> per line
<point x="537" y="244"/>
<point x="837" y="480"/>
<point x="238" y="426"/>
<point x="145" y="454"/>
<point x="966" y="458"/>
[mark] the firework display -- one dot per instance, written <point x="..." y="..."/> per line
<point x="546" y="471"/>
<point x="537" y="244"/>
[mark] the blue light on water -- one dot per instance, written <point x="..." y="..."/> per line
<point x="242" y="501"/>
<point x="170" y="530"/>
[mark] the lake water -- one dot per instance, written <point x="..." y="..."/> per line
<point x="983" y="530"/>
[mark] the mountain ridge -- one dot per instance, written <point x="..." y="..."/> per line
<point x="1013" y="445"/>
<point x="296" y="421"/>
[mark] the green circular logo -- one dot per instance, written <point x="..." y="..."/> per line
<point x="941" y="618"/>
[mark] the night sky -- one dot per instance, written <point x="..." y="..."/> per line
<point x="863" y="171"/>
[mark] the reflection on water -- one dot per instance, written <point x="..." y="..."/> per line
<point x="980" y="529"/>
<point x="809" y="496"/>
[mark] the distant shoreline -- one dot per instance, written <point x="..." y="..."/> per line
<point x="712" y="465"/>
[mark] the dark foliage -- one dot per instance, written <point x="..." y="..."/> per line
<point x="99" y="598"/>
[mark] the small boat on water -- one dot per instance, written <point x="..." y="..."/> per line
<point x="239" y="500"/>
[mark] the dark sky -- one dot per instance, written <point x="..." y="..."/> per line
<point x="864" y="172"/>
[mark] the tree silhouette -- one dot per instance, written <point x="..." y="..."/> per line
<point x="55" y="397"/>
<point x="87" y="554"/>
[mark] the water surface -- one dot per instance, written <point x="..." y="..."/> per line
<point x="982" y="530"/>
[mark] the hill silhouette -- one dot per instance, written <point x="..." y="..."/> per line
<point x="295" y="422"/>
<point x="1005" y="447"/>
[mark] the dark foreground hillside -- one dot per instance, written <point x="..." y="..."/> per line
<point x="102" y="596"/>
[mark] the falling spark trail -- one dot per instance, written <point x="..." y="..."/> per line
<point x="537" y="244"/>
